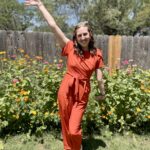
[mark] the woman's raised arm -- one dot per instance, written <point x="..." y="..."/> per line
<point x="62" y="39"/>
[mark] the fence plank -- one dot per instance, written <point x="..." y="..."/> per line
<point x="102" y="43"/>
<point x="2" y="40"/>
<point x="114" y="53"/>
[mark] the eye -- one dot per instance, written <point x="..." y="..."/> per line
<point x="85" y="34"/>
<point x="79" y="35"/>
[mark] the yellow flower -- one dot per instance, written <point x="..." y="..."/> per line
<point x="26" y="98"/>
<point x="33" y="112"/>
<point x="46" y="70"/>
<point x="138" y="109"/>
<point x="103" y="116"/>
<point x="46" y="114"/>
<point x="2" y="52"/>
<point x="4" y="59"/>
<point x="142" y="87"/>
<point x="109" y="113"/>
<point x="51" y="114"/>
<point x="21" y="61"/>
<point x="17" y="99"/>
<point x="21" y="50"/>
<point x="103" y="108"/>
<point x="26" y="56"/>
<point x="148" y="116"/>
<point x="55" y="104"/>
<point x="23" y="92"/>
<point x="147" y="90"/>
<point x="16" y="116"/>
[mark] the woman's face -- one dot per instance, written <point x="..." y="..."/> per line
<point x="83" y="37"/>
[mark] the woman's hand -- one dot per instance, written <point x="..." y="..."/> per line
<point x="33" y="2"/>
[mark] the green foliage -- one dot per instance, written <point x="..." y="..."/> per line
<point x="113" y="17"/>
<point x="13" y="15"/>
<point x="57" y="9"/>
<point x="127" y="102"/>
<point x="28" y="93"/>
<point x="28" y="97"/>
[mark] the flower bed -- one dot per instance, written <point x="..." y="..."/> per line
<point x="28" y="96"/>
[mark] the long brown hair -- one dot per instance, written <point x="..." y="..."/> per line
<point x="77" y="46"/>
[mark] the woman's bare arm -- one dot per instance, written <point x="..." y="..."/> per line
<point x="62" y="39"/>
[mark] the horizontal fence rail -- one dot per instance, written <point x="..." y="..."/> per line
<point x="115" y="48"/>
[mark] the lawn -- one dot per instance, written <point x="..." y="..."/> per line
<point x="51" y="141"/>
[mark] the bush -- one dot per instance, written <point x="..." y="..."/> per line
<point x="28" y="93"/>
<point x="127" y="103"/>
<point x="28" y="96"/>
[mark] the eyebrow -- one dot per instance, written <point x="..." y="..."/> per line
<point x="82" y="33"/>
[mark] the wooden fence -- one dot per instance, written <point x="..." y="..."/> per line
<point x="115" y="48"/>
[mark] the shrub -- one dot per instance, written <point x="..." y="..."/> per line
<point x="127" y="102"/>
<point x="28" y="96"/>
<point x="28" y="93"/>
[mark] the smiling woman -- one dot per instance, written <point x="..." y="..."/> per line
<point x="83" y="58"/>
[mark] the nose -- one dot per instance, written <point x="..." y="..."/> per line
<point x="82" y="37"/>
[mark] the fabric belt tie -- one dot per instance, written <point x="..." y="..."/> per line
<point x="76" y="80"/>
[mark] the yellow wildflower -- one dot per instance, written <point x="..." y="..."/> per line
<point x="4" y="59"/>
<point x="21" y="50"/>
<point x="147" y="90"/>
<point x="26" y="98"/>
<point x="23" y="92"/>
<point x="17" y="99"/>
<point x="148" y="116"/>
<point x="103" y="108"/>
<point x="21" y="61"/>
<point x="138" y="109"/>
<point x="103" y="116"/>
<point x="33" y="112"/>
<point x="109" y="113"/>
<point x="26" y="56"/>
<point x="2" y="52"/>
<point x="16" y="116"/>
<point x="46" y="113"/>
<point x="55" y="104"/>
<point x="51" y="114"/>
<point x="46" y="70"/>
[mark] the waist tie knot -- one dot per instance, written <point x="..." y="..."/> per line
<point x="76" y="80"/>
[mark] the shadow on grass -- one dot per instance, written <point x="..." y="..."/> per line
<point x="90" y="143"/>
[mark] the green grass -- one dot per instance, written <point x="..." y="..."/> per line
<point x="51" y="141"/>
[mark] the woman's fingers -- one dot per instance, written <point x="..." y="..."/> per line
<point x="31" y="2"/>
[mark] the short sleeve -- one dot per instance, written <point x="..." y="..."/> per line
<point x="99" y="62"/>
<point x="67" y="48"/>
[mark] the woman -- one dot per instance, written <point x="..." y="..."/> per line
<point x="82" y="60"/>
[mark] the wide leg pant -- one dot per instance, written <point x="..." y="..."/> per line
<point x="71" y="113"/>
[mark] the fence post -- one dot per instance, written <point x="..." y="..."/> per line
<point x="114" y="53"/>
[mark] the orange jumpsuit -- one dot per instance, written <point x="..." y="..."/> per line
<point x="73" y="93"/>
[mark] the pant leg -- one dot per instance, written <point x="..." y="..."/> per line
<point x="75" y="124"/>
<point x="65" y="111"/>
